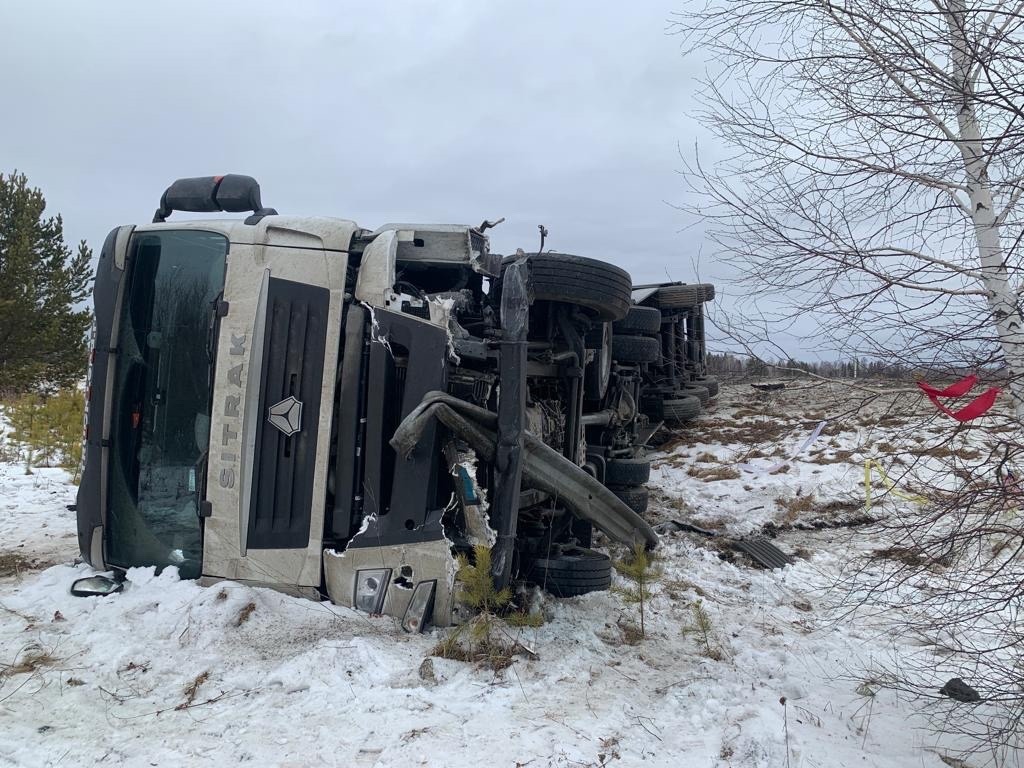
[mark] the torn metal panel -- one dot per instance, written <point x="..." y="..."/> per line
<point x="444" y="244"/>
<point x="471" y="497"/>
<point x="441" y="315"/>
<point x="406" y="566"/>
<point x="543" y="467"/>
<point x="376" y="335"/>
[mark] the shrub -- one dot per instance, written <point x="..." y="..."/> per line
<point x="48" y="428"/>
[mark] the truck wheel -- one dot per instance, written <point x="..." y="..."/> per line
<point x="680" y="409"/>
<point x="692" y="390"/>
<point x="651" y="406"/>
<point x="635" y="349"/>
<point x="635" y="497"/>
<point x="709" y="383"/>
<point x="603" y="288"/>
<point x="627" y="471"/>
<point x="680" y="296"/>
<point x="575" y="571"/>
<point x="639" y="320"/>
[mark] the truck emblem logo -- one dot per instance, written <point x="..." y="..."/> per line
<point x="286" y="416"/>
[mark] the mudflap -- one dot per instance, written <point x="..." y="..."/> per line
<point x="383" y="579"/>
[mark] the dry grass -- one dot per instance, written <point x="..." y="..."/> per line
<point x="912" y="556"/>
<point x="244" y="614"/>
<point x="839" y="507"/>
<point x="631" y="633"/>
<point x="935" y="451"/>
<point x="192" y="689"/>
<point x="837" y="457"/>
<point x="673" y="589"/>
<point x="746" y="413"/>
<point x="906" y="555"/>
<point x="794" y="506"/>
<point x="713" y="473"/>
<point x="728" y="432"/>
<point x="483" y="640"/>
<point x="30" y="659"/>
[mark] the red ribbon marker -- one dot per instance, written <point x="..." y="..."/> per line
<point x="979" y="405"/>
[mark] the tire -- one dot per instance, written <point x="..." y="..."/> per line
<point x="644" y="320"/>
<point x="575" y="571"/>
<point x="627" y="471"/>
<point x="680" y="409"/>
<point x="692" y="390"/>
<point x="602" y="288"/>
<point x="635" y="349"/>
<point x="709" y="383"/>
<point x="635" y="497"/>
<point x="652" y="407"/>
<point x="676" y="296"/>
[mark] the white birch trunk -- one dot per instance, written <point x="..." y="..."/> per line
<point x="1003" y="301"/>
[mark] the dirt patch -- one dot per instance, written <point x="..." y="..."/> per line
<point x="755" y="433"/>
<point x="15" y="564"/>
<point x="820" y="516"/>
<point x="915" y="557"/>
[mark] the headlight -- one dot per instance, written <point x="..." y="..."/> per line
<point x="371" y="585"/>
<point x="421" y="606"/>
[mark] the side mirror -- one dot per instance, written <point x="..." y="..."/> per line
<point x="93" y="586"/>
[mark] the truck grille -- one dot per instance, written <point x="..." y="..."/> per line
<point x="295" y="338"/>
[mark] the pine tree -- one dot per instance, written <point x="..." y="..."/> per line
<point x="42" y="334"/>
<point x="640" y="568"/>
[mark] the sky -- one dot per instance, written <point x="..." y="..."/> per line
<point x="572" y="115"/>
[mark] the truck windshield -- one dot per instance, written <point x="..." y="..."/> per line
<point x="160" y="421"/>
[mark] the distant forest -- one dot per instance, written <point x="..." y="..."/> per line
<point x="730" y="366"/>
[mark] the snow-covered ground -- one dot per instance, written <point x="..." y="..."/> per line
<point x="171" y="674"/>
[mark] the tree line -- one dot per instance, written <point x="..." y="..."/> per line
<point x="43" y="285"/>
<point x="730" y="365"/>
<point x="44" y="323"/>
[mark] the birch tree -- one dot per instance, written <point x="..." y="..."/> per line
<point x="874" y="171"/>
<point x="872" y="177"/>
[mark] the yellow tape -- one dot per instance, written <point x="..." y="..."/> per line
<point x="874" y="464"/>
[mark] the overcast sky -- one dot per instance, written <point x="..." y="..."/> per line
<point x="568" y="114"/>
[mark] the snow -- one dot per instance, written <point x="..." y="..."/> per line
<point x="291" y="682"/>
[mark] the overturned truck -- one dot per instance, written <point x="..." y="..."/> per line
<point x="305" y="404"/>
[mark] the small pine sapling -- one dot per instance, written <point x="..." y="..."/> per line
<point x="478" y="590"/>
<point x="703" y="630"/>
<point x="483" y="638"/>
<point x="641" y="570"/>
